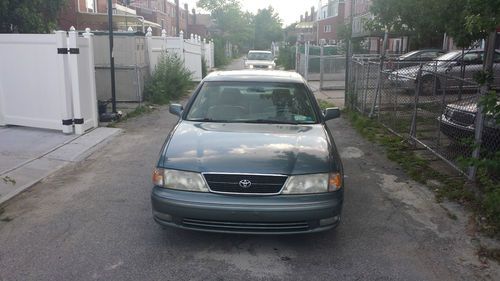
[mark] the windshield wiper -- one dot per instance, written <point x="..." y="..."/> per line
<point x="267" y="121"/>
<point x="209" y="120"/>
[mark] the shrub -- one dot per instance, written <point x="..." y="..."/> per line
<point x="220" y="58"/>
<point x="170" y="80"/>
<point x="286" y="57"/>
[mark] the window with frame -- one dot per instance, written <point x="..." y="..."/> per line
<point x="328" y="28"/>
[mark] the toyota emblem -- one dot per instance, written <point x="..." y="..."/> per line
<point x="245" y="183"/>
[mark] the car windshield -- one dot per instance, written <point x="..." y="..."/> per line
<point x="260" y="56"/>
<point x="407" y="55"/>
<point x="253" y="102"/>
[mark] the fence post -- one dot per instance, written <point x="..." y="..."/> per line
<point x="321" y="65"/>
<point x="75" y="82"/>
<point x="306" y="71"/>
<point x="297" y="57"/>
<point x="93" y="92"/>
<point x="379" y="85"/>
<point x="149" y="47"/>
<point x="413" y="129"/>
<point x="64" y="84"/>
<point x="181" y="44"/>
<point x="212" y="53"/>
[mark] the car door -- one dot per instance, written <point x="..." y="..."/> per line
<point x="472" y="62"/>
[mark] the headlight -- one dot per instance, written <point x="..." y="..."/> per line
<point x="250" y="66"/>
<point x="179" y="180"/>
<point x="315" y="183"/>
<point x="270" y="66"/>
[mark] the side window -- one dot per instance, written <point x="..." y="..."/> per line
<point x="496" y="58"/>
<point x="473" y="58"/>
<point x="428" y="55"/>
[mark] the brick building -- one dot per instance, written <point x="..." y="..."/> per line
<point x="330" y="21"/>
<point x="94" y="14"/>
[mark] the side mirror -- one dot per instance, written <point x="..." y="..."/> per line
<point x="331" y="113"/>
<point x="176" y="109"/>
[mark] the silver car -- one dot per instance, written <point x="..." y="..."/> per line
<point x="260" y="60"/>
<point x="446" y="72"/>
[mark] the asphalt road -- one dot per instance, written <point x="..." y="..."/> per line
<point x="92" y="221"/>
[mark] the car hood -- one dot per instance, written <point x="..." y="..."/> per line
<point x="248" y="148"/>
<point x="259" y="62"/>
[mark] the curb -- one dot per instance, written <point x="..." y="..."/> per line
<point x="38" y="168"/>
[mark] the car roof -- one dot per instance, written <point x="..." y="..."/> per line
<point x="255" y="76"/>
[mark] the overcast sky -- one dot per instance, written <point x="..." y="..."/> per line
<point x="289" y="10"/>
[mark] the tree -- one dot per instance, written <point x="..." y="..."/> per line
<point x="29" y="16"/>
<point x="267" y="28"/>
<point x="235" y="25"/>
<point x="427" y="20"/>
<point x="424" y="20"/>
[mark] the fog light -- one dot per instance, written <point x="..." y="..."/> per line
<point x="329" y="221"/>
<point x="163" y="217"/>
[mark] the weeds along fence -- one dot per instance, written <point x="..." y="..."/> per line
<point x="431" y="104"/>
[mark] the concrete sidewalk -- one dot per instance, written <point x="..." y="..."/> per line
<point x="28" y="155"/>
<point x="336" y="97"/>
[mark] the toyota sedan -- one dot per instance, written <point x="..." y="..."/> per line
<point x="250" y="154"/>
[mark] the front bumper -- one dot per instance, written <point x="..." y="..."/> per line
<point x="279" y="214"/>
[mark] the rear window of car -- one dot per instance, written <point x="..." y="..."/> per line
<point x="253" y="102"/>
<point x="260" y="56"/>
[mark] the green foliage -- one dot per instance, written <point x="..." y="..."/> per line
<point x="486" y="205"/>
<point x="491" y="105"/>
<point x="488" y="165"/>
<point x="29" y="16"/>
<point x="243" y="29"/>
<point x="169" y="81"/>
<point x="286" y="57"/>
<point x="465" y="20"/>
<point x="220" y="58"/>
<point x="423" y="19"/>
<point x="345" y="35"/>
<point x="235" y="25"/>
<point x="323" y="104"/>
<point x="267" y="28"/>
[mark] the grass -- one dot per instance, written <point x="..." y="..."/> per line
<point x="419" y="169"/>
<point x="323" y="104"/>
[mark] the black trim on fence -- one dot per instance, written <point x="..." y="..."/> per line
<point x="78" y="121"/>
<point x="67" y="122"/>
<point x="65" y="51"/>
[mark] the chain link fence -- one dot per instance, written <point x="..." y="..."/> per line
<point x="322" y="63"/>
<point x="431" y="104"/>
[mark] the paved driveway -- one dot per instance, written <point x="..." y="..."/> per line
<point x="92" y="221"/>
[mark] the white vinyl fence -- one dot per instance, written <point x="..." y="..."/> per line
<point x="190" y="51"/>
<point x="47" y="81"/>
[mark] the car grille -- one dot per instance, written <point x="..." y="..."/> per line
<point x="259" y="227"/>
<point x="260" y="66"/>
<point x="259" y="184"/>
<point x="461" y="117"/>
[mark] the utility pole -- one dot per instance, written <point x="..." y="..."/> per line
<point x="348" y="48"/>
<point x="177" y="17"/>
<point x="111" y="56"/>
